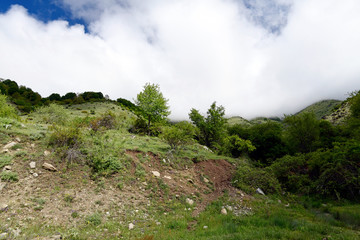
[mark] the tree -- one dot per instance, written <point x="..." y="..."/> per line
<point x="302" y="131"/>
<point x="212" y="127"/>
<point x="153" y="104"/>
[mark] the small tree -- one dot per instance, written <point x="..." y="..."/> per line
<point x="179" y="134"/>
<point x="212" y="127"/>
<point x="6" y="110"/>
<point x="152" y="103"/>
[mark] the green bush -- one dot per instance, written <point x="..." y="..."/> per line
<point x="9" y="176"/>
<point x="178" y="135"/>
<point x="235" y="146"/>
<point x="63" y="136"/>
<point x="53" y="114"/>
<point x="6" y="110"/>
<point x="249" y="179"/>
<point x="106" y="121"/>
<point x="94" y="219"/>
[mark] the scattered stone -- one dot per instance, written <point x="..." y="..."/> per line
<point x="158" y="223"/>
<point x="49" y="167"/>
<point x="2" y="186"/>
<point x="223" y="211"/>
<point x="9" y="145"/>
<point x="56" y="237"/>
<point x="18" y="139"/>
<point x="144" y="183"/>
<point x="205" y="227"/>
<point x="22" y="125"/>
<point x="156" y="173"/>
<point x="167" y="177"/>
<point x="133" y="137"/>
<point x="229" y="208"/>
<point x="46" y="153"/>
<point x="32" y="145"/>
<point x="189" y="201"/>
<point x="287" y="205"/>
<point x="259" y="191"/>
<point x="3" y="207"/>
<point x="131" y="226"/>
<point x="32" y="165"/>
<point x="35" y="174"/>
<point x="3" y="235"/>
<point x="8" y="126"/>
<point x="206" y="180"/>
<point x="164" y="160"/>
<point x="7" y="168"/>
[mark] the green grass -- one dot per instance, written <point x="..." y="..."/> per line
<point x="5" y="160"/>
<point x="9" y="176"/>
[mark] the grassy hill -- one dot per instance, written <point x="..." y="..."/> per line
<point x="112" y="184"/>
<point x="322" y="108"/>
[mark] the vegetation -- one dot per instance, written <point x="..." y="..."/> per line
<point x="6" y="110"/>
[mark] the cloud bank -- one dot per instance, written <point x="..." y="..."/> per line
<point x="253" y="57"/>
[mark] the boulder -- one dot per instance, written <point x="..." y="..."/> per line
<point x="33" y="165"/>
<point x="49" y="167"/>
<point x="156" y="173"/>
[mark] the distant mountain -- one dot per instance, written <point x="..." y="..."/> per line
<point x="322" y="108"/>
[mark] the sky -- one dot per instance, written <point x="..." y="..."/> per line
<point x="254" y="57"/>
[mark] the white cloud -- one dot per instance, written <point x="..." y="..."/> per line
<point x="199" y="51"/>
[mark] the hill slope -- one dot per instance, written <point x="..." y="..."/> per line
<point x="321" y="108"/>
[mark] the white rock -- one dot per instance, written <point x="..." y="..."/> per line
<point x="229" y="208"/>
<point x="7" y="168"/>
<point x="259" y="191"/>
<point x="131" y="226"/>
<point x="156" y="173"/>
<point x="206" y="180"/>
<point x="158" y="223"/>
<point x="167" y="177"/>
<point x="189" y="201"/>
<point x="205" y="227"/>
<point x="223" y="211"/>
<point x="9" y="145"/>
<point x="3" y="207"/>
<point x="32" y="165"/>
<point x="49" y="167"/>
<point x="35" y="174"/>
<point x="16" y="232"/>
<point x="18" y="139"/>
<point x="46" y="153"/>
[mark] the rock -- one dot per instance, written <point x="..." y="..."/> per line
<point x="2" y="186"/>
<point x="17" y="139"/>
<point x="156" y="173"/>
<point x="131" y="226"/>
<point x="32" y="165"/>
<point x="56" y="237"/>
<point x="7" y="168"/>
<point x="167" y="177"/>
<point x="46" y="153"/>
<point x="158" y="223"/>
<point x="229" y="208"/>
<point x="3" y="207"/>
<point x="206" y="180"/>
<point x="3" y="235"/>
<point x="189" y="201"/>
<point x="259" y="191"/>
<point x="223" y="211"/>
<point x="16" y="232"/>
<point x="35" y="174"/>
<point x="9" y="145"/>
<point x="205" y="227"/>
<point x="49" y="167"/>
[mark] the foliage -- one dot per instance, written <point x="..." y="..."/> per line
<point x="248" y="178"/>
<point x="5" y="160"/>
<point x="212" y="129"/>
<point x="152" y="103"/>
<point x="236" y="146"/>
<point x="178" y="135"/>
<point x="53" y="114"/>
<point x="9" y="176"/>
<point x="302" y="131"/>
<point x="106" y="121"/>
<point x="94" y="219"/>
<point x="6" y="110"/>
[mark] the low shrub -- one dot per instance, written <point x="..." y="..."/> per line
<point x="53" y="114"/>
<point x="5" y="160"/>
<point x="248" y="179"/>
<point x="9" y="176"/>
<point x="178" y="135"/>
<point x="6" y="110"/>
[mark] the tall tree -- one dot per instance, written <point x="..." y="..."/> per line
<point x="153" y="104"/>
<point x="212" y="127"/>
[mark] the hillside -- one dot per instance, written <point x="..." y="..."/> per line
<point x="321" y="108"/>
<point x="113" y="184"/>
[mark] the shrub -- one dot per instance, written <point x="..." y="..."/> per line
<point x="53" y="114"/>
<point x="235" y="146"/>
<point x="6" y="110"/>
<point x="5" y="160"/>
<point x="9" y="176"/>
<point x="62" y="136"/>
<point x="178" y="135"/>
<point x="249" y="179"/>
<point x="94" y="219"/>
<point x="106" y="121"/>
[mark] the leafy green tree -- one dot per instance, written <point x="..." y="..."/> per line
<point x="302" y="131"/>
<point x="178" y="135"/>
<point x="212" y="128"/>
<point x="153" y="104"/>
<point x="236" y="146"/>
